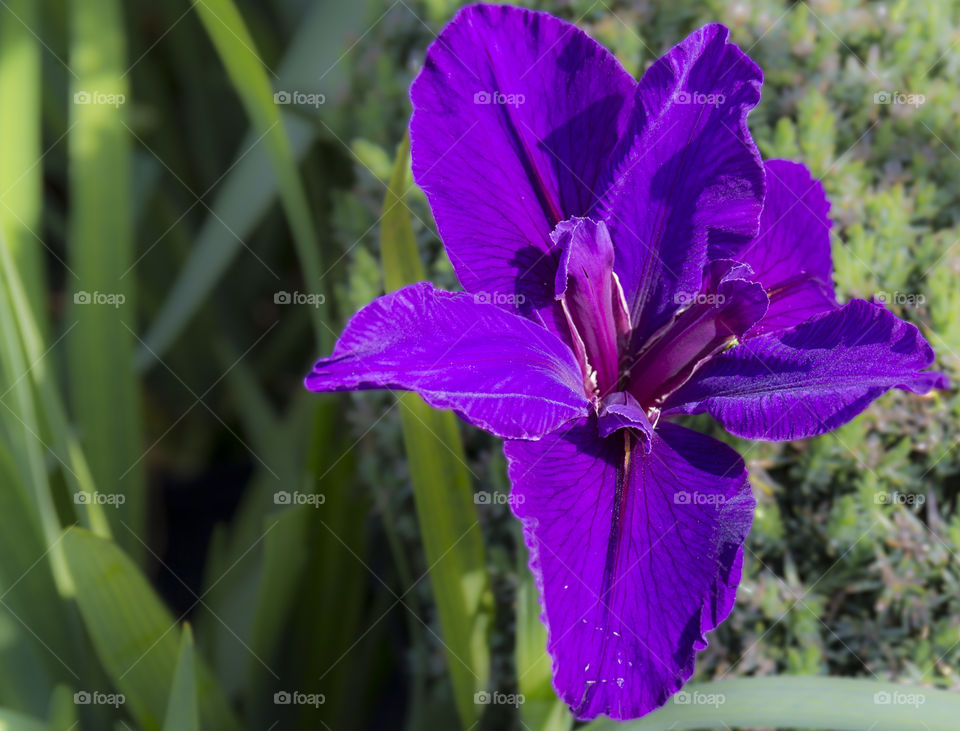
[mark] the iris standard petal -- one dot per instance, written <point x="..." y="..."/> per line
<point x="813" y="378"/>
<point x="592" y="299"/>
<point x="636" y="556"/>
<point x="791" y="255"/>
<point x="495" y="369"/>
<point x="692" y="184"/>
<point x="517" y="119"/>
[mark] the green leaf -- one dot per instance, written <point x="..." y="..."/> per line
<point x="182" y="712"/>
<point x="13" y="721"/>
<point x="70" y="456"/>
<point x="21" y="178"/>
<point x="28" y="592"/>
<point x="546" y="715"/>
<point x="532" y="660"/>
<point x="398" y="246"/>
<point x="541" y="709"/>
<point x="21" y="344"/>
<point x="25" y="682"/>
<point x="105" y="393"/>
<point x="235" y="46"/>
<point x="20" y="411"/>
<point x="442" y="489"/>
<point x="133" y="633"/>
<point x="800" y="702"/>
<point x="246" y="193"/>
<point x="281" y="575"/>
<point x="339" y="533"/>
<point x="63" y="710"/>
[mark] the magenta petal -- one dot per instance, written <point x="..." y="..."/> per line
<point x="497" y="370"/>
<point x="791" y="255"/>
<point x="813" y="378"/>
<point x="620" y="410"/>
<point x="517" y="115"/>
<point x="693" y="183"/>
<point x="732" y="304"/>
<point x="636" y="557"/>
<point x="591" y="297"/>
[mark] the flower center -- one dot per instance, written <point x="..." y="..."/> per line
<point x="673" y="355"/>
<point x="727" y="307"/>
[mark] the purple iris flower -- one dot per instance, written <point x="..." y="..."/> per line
<point x="628" y="259"/>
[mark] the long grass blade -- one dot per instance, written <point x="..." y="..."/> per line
<point x="251" y="185"/>
<point x="235" y="46"/>
<point x="104" y="389"/>
<point x="63" y="710"/>
<point x="442" y="487"/>
<point x="22" y="421"/>
<point x="27" y="347"/>
<point x="28" y="590"/>
<point x="182" y="713"/>
<point x="541" y="709"/>
<point x="21" y="171"/>
<point x="133" y="633"/>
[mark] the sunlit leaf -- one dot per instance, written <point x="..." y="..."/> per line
<point x="800" y="702"/>
<point x="182" y="714"/>
<point x="102" y="308"/>
<point x="133" y="633"/>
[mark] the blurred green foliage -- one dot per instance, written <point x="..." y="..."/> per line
<point x="852" y="566"/>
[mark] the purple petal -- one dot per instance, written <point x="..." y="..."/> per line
<point x="496" y="370"/>
<point x="812" y="379"/>
<point x="791" y="255"/>
<point x="620" y="410"/>
<point x="731" y="304"/>
<point x="591" y="297"/>
<point x="693" y="181"/>
<point x="501" y="172"/>
<point x="636" y="557"/>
